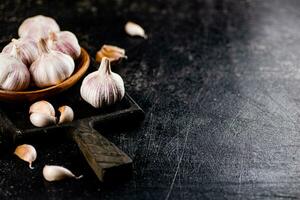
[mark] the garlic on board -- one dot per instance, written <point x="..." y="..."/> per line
<point x="66" y="114"/>
<point x="37" y="27"/>
<point x="42" y="114"/>
<point x="28" y="51"/>
<point x="14" y="75"/>
<point x="57" y="173"/>
<point x="65" y="42"/>
<point x="113" y="53"/>
<point x="134" y="29"/>
<point x="52" y="67"/>
<point x="102" y="87"/>
<point x="27" y="153"/>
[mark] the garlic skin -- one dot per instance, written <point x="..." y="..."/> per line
<point x="37" y="27"/>
<point x="42" y="107"/>
<point x="27" y="153"/>
<point x="28" y="51"/>
<point x="102" y="87"/>
<point x="42" y="120"/>
<point x="134" y="29"/>
<point x="65" y="42"/>
<point x="57" y="173"/>
<point x="52" y="67"/>
<point x="14" y="75"/>
<point x="66" y="114"/>
<point x="113" y="53"/>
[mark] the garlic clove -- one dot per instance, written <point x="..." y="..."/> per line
<point x="42" y="120"/>
<point x="102" y="87"/>
<point x="66" y="114"/>
<point x="134" y="29"/>
<point x="52" y="67"/>
<point x="65" y="42"/>
<point x="27" y="50"/>
<point x="14" y="75"/>
<point x="27" y="153"/>
<point x="113" y="53"/>
<point x="42" y="107"/>
<point x="37" y="27"/>
<point x="57" y="173"/>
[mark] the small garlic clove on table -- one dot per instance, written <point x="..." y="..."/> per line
<point x="134" y="29"/>
<point x="66" y="114"/>
<point x="113" y="53"/>
<point x="57" y="173"/>
<point x="42" y="114"/>
<point x="102" y="87"/>
<point x="27" y="153"/>
<point x="42" y="107"/>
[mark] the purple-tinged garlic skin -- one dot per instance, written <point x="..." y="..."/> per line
<point x="14" y="75"/>
<point x="52" y="67"/>
<point x="102" y="87"/>
<point x="28" y="51"/>
<point x="65" y="42"/>
<point x="37" y="27"/>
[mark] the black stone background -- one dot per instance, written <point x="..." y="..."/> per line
<point x="219" y="82"/>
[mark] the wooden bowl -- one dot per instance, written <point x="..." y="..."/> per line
<point x="83" y="63"/>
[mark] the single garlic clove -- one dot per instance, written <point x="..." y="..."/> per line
<point x="14" y="75"/>
<point x="27" y="153"/>
<point x="102" y="87"/>
<point x="27" y="50"/>
<point x="65" y="42"/>
<point x="113" y="53"/>
<point x="57" y="173"/>
<point x="42" y="107"/>
<point x="37" y="27"/>
<point x="66" y="114"/>
<point x="42" y="120"/>
<point x="52" y="67"/>
<point x="134" y="29"/>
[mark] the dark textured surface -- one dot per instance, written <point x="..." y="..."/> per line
<point x="219" y="81"/>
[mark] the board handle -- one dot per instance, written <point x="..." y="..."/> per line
<point x="104" y="157"/>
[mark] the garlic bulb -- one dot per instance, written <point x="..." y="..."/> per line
<point x="14" y="75"/>
<point x="134" y="29"/>
<point x="28" y="51"/>
<point x="52" y="67"/>
<point x="37" y="27"/>
<point x="113" y="53"/>
<point x="66" y="114"/>
<point x="42" y="114"/>
<point x="102" y="87"/>
<point x="57" y="173"/>
<point x="27" y="153"/>
<point x="65" y="42"/>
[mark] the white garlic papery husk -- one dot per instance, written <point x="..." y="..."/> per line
<point x="134" y="29"/>
<point x="37" y="27"/>
<point x="14" y="75"/>
<point x="102" y="87"/>
<point x="52" y="67"/>
<point x="28" y="51"/>
<point x="27" y="153"/>
<point x="42" y="120"/>
<point x="42" y="107"/>
<point x="65" y="42"/>
<point x="113" y="53"/>
<point x="66" y="114"/>
<point x="57" y="173"/>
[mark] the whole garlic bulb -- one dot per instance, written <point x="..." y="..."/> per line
<point x="52" y="67"/>
<point x="14" y="75"/>
<point x="37" y="27"/>
<point x="65" y="42"/>
<point x="28" y="51"/>
<point x="102" y="87"/>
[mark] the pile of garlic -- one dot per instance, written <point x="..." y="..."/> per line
<point x="43" y="55"/>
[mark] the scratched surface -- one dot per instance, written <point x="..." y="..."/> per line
<point x="219" y="81"/>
